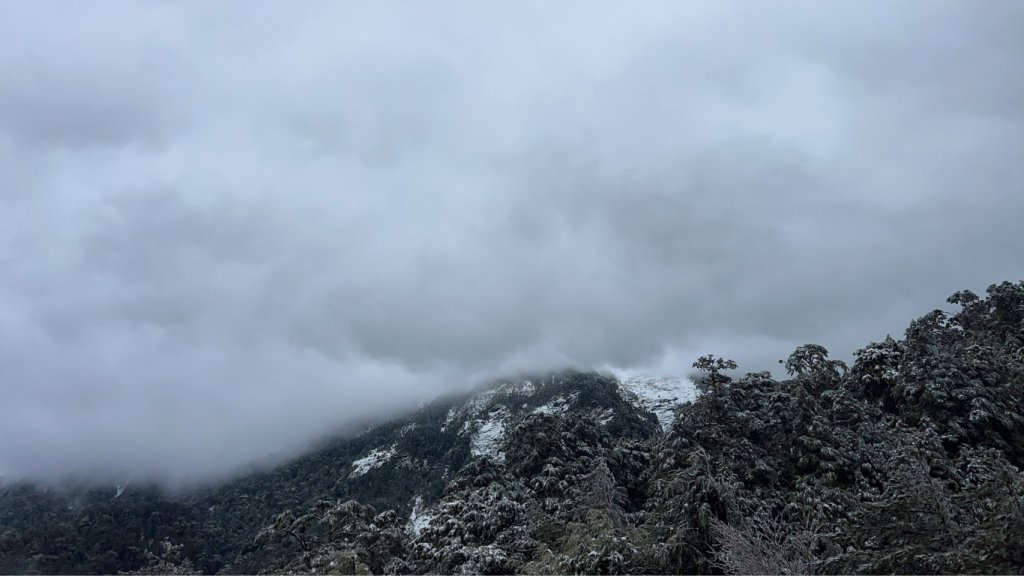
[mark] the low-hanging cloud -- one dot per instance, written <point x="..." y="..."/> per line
<point x="226" y="229"/>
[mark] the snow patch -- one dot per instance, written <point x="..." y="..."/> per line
<point x="660" y="395"/>
<point x="418" y="519"/>
<point x="374" y="459"/>
<point x="487" y="439"/>
<point x="119" y="489"/>
<point x="559" y="405"/>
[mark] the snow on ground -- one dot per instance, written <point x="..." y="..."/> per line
<point x="559" y="405"/>
<point x="418" y="520"/>
<point x="661" y="395"/>
<point x="119" y="489"/>
<point x="487" y="439"/>
<point x="375" y="458"/>
<point x="479" y="403"/>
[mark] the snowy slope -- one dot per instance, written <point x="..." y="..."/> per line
<point x="659" y="394"/>
<point x="487" y="440"/>
<point x="418" y="518"/>
<point x="372" y="460"/>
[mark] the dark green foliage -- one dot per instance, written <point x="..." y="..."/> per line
<point x="876" y="371"/>
<point x="880" y="455"/>
<point x="485" y="524"/>
<point x="331" y="537"/>
<point x="713" y="379"/>
<point x="68" y="529"/>
<point x="966" y="372"/>
<point x="813" y="371"/>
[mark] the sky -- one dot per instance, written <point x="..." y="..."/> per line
<point x="227" y="228"/>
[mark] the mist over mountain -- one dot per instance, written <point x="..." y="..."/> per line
<point x="230" y="229"/>
<point x="908" y="460"/>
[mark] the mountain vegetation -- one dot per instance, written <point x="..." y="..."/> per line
<point x="908" y="461"/>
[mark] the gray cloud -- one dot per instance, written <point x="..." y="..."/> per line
<point x="225" y="229"/>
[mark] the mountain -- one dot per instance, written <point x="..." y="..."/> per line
<point x="402" y="465"/>
<point x="907" y="461"/>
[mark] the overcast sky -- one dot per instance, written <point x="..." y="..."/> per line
<point x="226" y="227"/>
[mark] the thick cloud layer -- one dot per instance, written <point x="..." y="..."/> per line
<point x="226" y="228"/>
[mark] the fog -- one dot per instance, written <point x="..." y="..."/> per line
<point x="227" y="228"/>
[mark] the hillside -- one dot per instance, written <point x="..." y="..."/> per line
<point x="907" y="461"/>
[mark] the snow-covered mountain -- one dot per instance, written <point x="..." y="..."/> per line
<point x="480" y="420"/>
<point x="661" y="395"/>
<point x="405" y="464"/>
<point x="615" y="401"/>
<point x="417" y="466"/>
